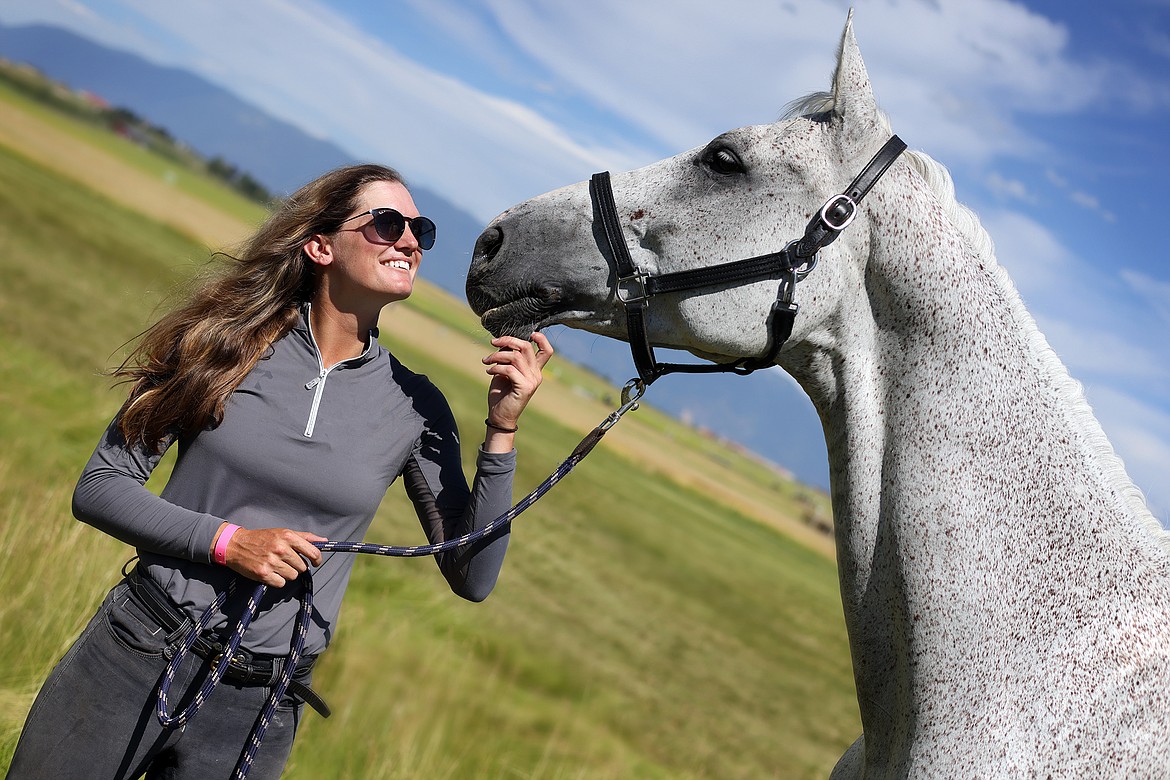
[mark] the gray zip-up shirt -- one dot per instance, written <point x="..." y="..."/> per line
<point x="309" y="449"/>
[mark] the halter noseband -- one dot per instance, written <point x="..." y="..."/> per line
<point x="634" y="288"/>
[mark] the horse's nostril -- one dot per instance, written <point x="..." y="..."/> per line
<point x="478" y="288"/>
<point x="488" y="243"/>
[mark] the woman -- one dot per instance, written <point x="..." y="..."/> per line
<point x="291" y="421"/>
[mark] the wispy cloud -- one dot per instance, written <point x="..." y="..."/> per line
<point x="672" y="80"/>
<point x="1006" y="188"/>
<point x="1157" y="42"/>
<point x="1153" y="300"/>
<point x="1079" y="197"/>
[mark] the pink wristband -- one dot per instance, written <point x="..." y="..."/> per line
<point x="219" y="555"/>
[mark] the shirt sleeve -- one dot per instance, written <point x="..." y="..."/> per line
<point x="112" y="497"/>
<point x="447" y="509"/>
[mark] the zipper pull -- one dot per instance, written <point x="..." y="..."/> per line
<point x="315" y="381"/>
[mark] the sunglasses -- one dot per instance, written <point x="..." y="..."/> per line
<point x="390" y="224"/>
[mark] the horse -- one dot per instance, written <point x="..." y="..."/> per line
<point x="1005" y="588"/>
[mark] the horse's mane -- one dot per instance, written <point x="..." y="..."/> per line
<point x="818" y="106"/>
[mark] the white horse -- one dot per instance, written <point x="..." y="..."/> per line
<point x="1005" y="588"/>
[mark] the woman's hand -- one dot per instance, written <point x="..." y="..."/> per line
<point x="516" y="374"/>
<point x="274" y="556"/>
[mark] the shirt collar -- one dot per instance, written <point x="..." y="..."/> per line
<point x="373" y="348"/>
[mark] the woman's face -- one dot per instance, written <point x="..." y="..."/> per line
<point x="357" y="264"/>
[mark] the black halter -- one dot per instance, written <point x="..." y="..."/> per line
<point x="634" y="288"/>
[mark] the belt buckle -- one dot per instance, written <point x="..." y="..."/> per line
<point x="238" y="659"/>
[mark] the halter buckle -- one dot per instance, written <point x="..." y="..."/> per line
<point x="631" y="296"/>
<point x="828" y="212"/>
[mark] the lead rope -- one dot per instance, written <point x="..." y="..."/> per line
<point x="630" y="395"/>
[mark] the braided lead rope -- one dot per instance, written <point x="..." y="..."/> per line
<point x="630" y="395"/>
<point x="300" y="634"/>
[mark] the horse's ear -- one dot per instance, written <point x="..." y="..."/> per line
<point x="853" y="99"/>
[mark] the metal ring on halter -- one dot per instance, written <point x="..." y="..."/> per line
<point x="804" y="268"/>
<point x="630" y="395"/>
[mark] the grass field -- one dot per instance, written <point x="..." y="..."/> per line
<point x="664" y="613"/>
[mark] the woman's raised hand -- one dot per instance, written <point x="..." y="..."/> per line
<point x="515" y="369"/>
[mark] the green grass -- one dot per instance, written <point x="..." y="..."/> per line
<point x="639" y="628"/>
<point x="180" y="176"/>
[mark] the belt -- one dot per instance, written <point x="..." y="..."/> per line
<point x="244" y="668"/>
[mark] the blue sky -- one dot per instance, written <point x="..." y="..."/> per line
<point x="1053" y="118"/>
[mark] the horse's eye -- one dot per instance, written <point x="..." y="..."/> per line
<point x="724" y="161"/>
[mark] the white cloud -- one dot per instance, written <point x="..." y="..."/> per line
<point x="956" y="72"/>
<point x="959" y="74"/>
<point x="1099" y="325"/>
<point x="1106" y="354"/>
<point x="78" y="9"/>
<point x="1079" y="197"/>
<point x="1038" y="262"/>
<point x="1154" y="293"/>
<point x="1157" y="42"/>
<point x="1092" y="203"/>
<point x="1008" y="188"/>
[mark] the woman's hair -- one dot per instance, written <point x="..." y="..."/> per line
<point x="185" y="366"/>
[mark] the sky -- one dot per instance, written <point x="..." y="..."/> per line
<point x="1052" y="116"/>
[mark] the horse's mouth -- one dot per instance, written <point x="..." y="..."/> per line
<point x="521" y="316"/>
<point x="518" y="310"/>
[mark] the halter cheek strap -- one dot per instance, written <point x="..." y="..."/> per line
<point x="634" y="288"/>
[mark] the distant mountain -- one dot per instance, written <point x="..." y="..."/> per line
<point x="779" y="422"/>
<point x="216" y="123"/>
<point x="211" y="120"/>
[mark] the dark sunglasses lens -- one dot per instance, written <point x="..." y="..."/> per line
<point x="389" y="224"/>
<point x="424" y="232"/>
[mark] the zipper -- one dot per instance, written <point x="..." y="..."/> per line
<point x="317" y="383"/>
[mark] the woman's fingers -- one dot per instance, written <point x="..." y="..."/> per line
<point x="544" y="348"/>
<point x="527" y="356"/>
<point x="274" y="556"/>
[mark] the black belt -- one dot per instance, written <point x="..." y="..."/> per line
<point x="244" y="669"/>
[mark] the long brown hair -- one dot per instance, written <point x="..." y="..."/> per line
<point x="185" y="366"/>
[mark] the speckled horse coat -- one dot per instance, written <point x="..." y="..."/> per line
<point x="1006" y="591"/>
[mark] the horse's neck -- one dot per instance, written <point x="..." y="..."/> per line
<point x="968" y="496"/>
<point x="953" y="415"/>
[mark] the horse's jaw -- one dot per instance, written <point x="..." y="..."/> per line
<point x="519" y="314"/>
<point x="523" y="316"/>
<point x="518" y="309"/>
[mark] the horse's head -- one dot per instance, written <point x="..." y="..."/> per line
<point x="747" y="193"/>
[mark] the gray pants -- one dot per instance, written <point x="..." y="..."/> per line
<point x="94" y="716"/>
